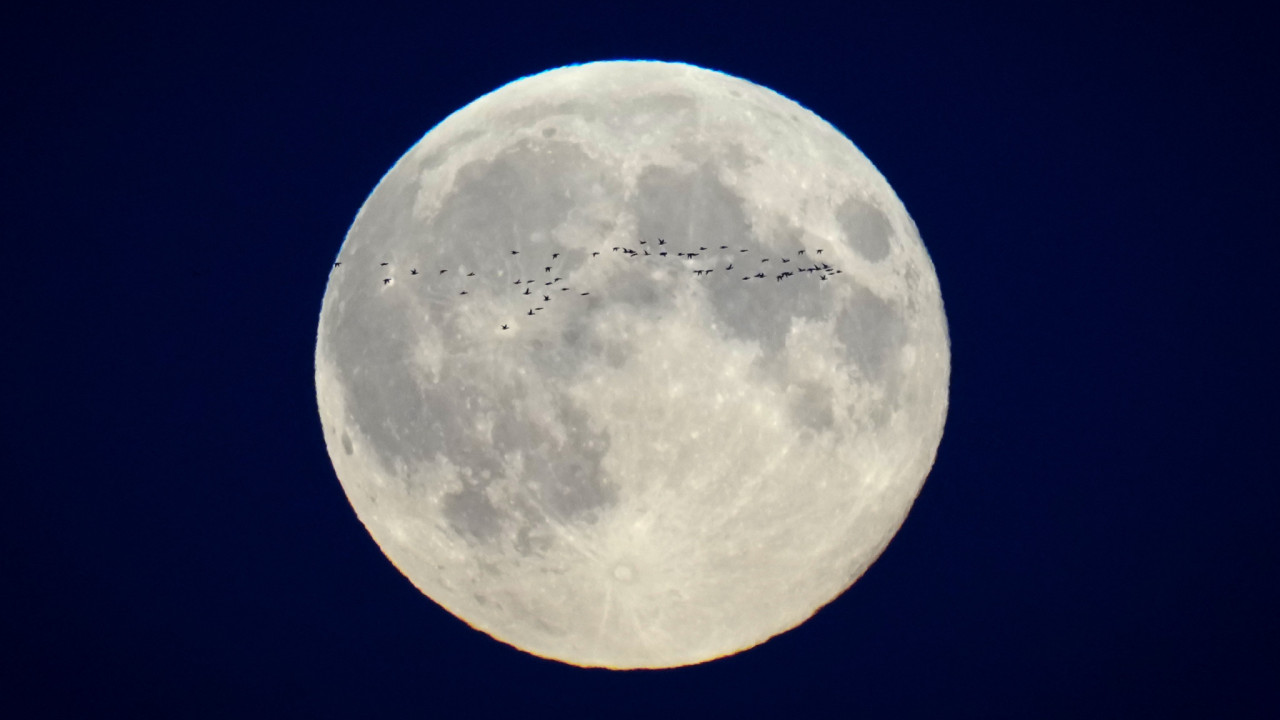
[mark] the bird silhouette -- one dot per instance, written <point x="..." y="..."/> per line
<point x="555" y="255"/>
<point x="515" y="252"/>
<point x="765" y="260"/>
<point x="663" y="253"/>
<point x="642" y="242"/>
<point x="702" y="248"/>
<point x="594" y="254"/>
<point x="819" y="251"/>
<point x="337" y="264"/>
<point x="504" y="327"/>
<point x="413" y="271"/>
<point x="786" y="259"/>
<point x="759" y="275"/>
<point x="800" y="252"/>
<point x="470" y="274"/>
<point x="661" y="241"/>
<point x="544" y="297"/>
<point x="546" y="269"/>
<point x="443" y="272"/>
<point x="386" y="281"/>
<point x="514" y="283"/>
<point x="464" y="292"/>
<point x="526" y="291"/>
<point x="586" y="293"/>
<point x="724" y="247"/>
<point x="730" y="267"/>
<point x="383" y="264"/>
<point x="530" y="312"/>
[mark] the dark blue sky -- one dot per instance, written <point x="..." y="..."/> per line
<point x="1097" y="189"/>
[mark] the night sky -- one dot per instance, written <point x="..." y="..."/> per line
<point x="1097" y="189"/>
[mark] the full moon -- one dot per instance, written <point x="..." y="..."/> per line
<point x="632" y="364"/>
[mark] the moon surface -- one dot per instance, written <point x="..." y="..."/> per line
<point x="632" y="364"/>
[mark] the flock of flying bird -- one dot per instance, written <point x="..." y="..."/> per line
<point x="819" y="268"/>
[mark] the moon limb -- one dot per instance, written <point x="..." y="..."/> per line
<point x="564" y="472"/>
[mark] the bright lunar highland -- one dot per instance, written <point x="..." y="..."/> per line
<point x="632" y="364"/>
